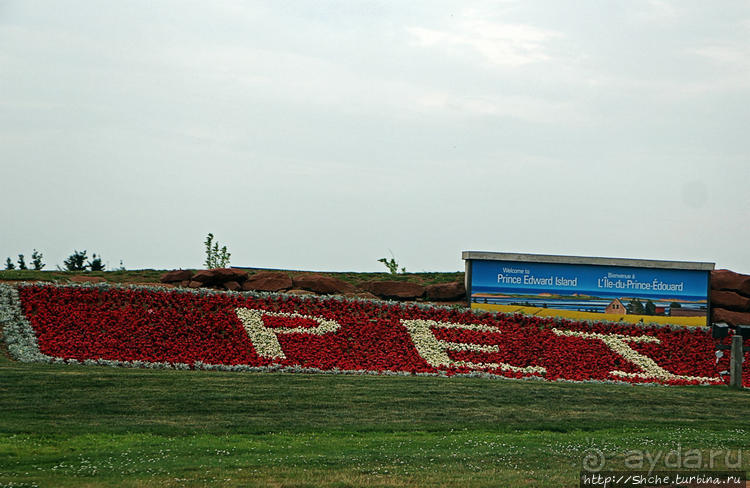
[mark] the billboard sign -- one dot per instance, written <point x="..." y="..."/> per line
<point x="590" y="288"/>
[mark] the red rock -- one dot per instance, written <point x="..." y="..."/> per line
<point x="233" y="274"/>
<point x="220" y="275"/>
<point x="446" y="291"/>
<point x="232" y="286"/>
<point x="730" y="301"/>
<point x="723" y="279"/>
<point x="401" y="290"/>
<point x="176" y="275"/>
<point x="184" y="283"/>
<point x="194" y="284"/>
<point x="204" y="276"/>
<point x="268" y="281"/>
<point x="325" y="285"/>
<point x="731" y="318"/>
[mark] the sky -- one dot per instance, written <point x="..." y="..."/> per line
<point x="324" y="135"/>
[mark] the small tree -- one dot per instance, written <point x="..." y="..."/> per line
<point x="391" y="264"/>
<point x="76" y="261"/>
<point x="9" y="264"/>
<point x="96" y="263"/>
<point x="215" y="257"/>
<point x="21" y="262"/>
<point x="36" y="260"/>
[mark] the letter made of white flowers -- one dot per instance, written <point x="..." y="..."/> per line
<point x="265" y="339"/>
<point x="435" y="351"/>
<point x="649" y="368"/>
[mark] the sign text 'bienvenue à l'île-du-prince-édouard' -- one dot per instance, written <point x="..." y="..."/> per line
<point x="589" y="288"/>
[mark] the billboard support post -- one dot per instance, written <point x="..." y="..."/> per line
<point x="735" y="362"/>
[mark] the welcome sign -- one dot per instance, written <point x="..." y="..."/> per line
<point x="590" y="288"/>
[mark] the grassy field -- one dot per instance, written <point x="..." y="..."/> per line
<point x="152" y="276"/>
<point x="77" y="426"/>
<point x="124" y="276"/>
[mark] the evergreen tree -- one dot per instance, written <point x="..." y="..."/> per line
<point x="76" y="261"/>
<point x="36" y="260"/>
<point x="96" y="263"/>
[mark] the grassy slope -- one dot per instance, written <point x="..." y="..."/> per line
<point x="91" y="426"/>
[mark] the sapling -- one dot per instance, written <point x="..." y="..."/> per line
<point x="391" y="264"/>
<point x="215" y="257"/>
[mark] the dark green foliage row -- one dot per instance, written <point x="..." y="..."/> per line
<point x="36" y="262"/>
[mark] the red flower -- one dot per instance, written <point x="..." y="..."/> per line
<point x="129" y="324"/>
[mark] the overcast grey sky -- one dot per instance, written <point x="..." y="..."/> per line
<point x="319" y="134"/>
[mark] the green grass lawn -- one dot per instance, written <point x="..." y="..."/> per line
<point x="78" y="426"/>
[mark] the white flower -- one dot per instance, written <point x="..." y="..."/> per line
<point x="264" y="339"/>
<point x="435" y="351"/>
<point x="649" y="368"/>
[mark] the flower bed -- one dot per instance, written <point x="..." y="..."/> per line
<point x="138" y="326"/>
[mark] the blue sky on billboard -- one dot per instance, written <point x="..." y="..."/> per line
<point x="598" y="281"/>
<point x="318" y="135"/>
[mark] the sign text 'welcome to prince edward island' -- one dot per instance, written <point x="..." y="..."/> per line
<point x="590" y="291"/>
